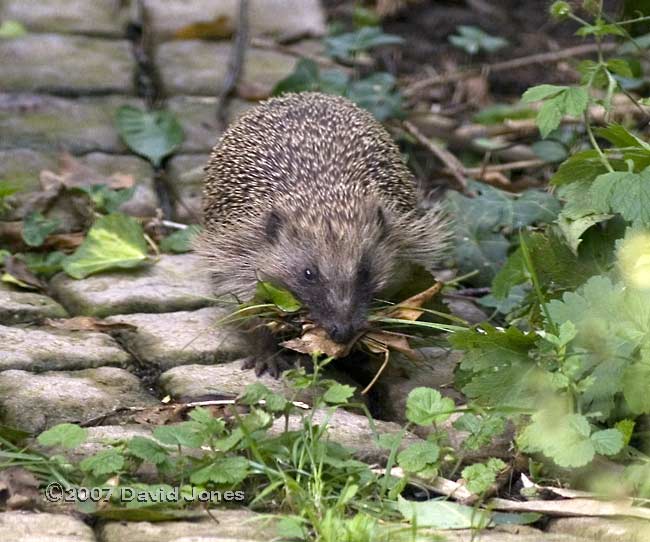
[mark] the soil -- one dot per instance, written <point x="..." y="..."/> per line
<point x="427" y="25"/>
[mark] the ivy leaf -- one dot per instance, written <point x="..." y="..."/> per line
<point x="36" y="228"/>
<point x="472" y="40"/>
<point x="377" y="94"/>
<point x="419" y="456"/>
<point x="180" y="241"/>
<point x="425" y="406"/>
<point x="345" y="46"/>
<point x="67" y="435"/>
<point x="154" y="134"/>
<point x="115" y="241"/>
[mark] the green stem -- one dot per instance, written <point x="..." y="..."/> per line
<point x="594" y="143"/>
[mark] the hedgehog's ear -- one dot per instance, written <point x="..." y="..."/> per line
<point x="382" y="222"/>
<point x="273" y="226"/>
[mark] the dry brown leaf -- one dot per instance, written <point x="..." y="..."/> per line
<point x="409" y="309"/>
<point x="17" y="272"/>
<point x="379" y="341"/>
<point x="64" y="241"/>
<point x="74" y="174"/>
<point x="316" y="339"/>
<point x="88" y="323"/>
<point x="218" y="28"/>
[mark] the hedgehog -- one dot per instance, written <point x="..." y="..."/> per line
<point x="309" y="191"/>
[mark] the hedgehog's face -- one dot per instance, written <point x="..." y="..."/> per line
<point x="335" y="269"/>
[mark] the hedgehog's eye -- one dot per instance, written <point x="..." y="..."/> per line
<point x="310" y="274"/>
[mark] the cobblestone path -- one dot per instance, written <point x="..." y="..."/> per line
<point x="60" y="86"/>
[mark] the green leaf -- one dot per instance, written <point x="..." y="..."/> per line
<point x="607" y="442"/>
<point x="305" y="77"/>
<point x="541" y="92"/>
<point x="419" y="456"/>
<point x="550" y="150"/>
<point x="625" y="193"/>
<point x="635" y="386"/>
<point x="549" y="117"/>
<point x="572" y="229"/>
<point x="496" y="114"/>
<point x="180" y="241"/>
<point x="46" y="264"/>
<point x="481" y="476"/>
<point x="583" y="166"/>
<point x="227" y="470"/>
<point x="425" y="406"/>
<point x="36" y="228"/>
<point x="619" y="136"/>
<point x="346" y="46"/>
<point x="283" y="299"/>
<point x="181" y="434"/>
<point x="115" y="241"/>
<point x="338" y="393"/>
<point x="472" y="40"/>
<point x="565" y="439"/>
<point x="576" y="100"/>
<point x="67" y="435"/>
<point x="154" y="134"/>
<point x="147" y="450"/>
<point x="104" y="462"/>
<point x="377" y="93"/>
<point x="11" y="29"/>
<point x="105" y="199"/>
<point x="442" y="514"/>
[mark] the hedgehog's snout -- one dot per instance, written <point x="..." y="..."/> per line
<point x="341" y="332"/>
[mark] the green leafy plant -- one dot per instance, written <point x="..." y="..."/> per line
<point x="115" y="241"/>
<point x="36" y="228"/>
<point x="472" y="40"/>
<point x="347" y="46"/>
<point x="154" y="134"/>
<point x="377" y="93"/>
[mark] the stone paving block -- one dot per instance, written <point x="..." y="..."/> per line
<point x="49" y="349"/>
<point x="181" y="338"/>
<point x="43" y="527"/>
<point x="173" y="283"/>
<point x="282" y="17"/>
<point x="21" y="167"/>
<point x="100" y="18"/>
<point x="21" y="306"/>
<point x="197" y="116"/>
<point x="41" y="122"/>
<point x="185" y="172"/>
<point x="233" y="526"/>
<point x="225" y="379"/>
<point x="603" y="529"/>
<point x="66" y="65"/>
<point x="34" y="402"/>
<point x="199" y="67"/>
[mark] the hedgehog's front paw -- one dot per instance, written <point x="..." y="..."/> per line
<point x="274" y="364"/>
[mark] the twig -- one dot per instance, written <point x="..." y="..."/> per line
<point x="378" y="374"/>
<point x="236" y="63"/>
<point x="522" y="164"/>
<point x="453" y="164"/>
<point x="512" y="64"/>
